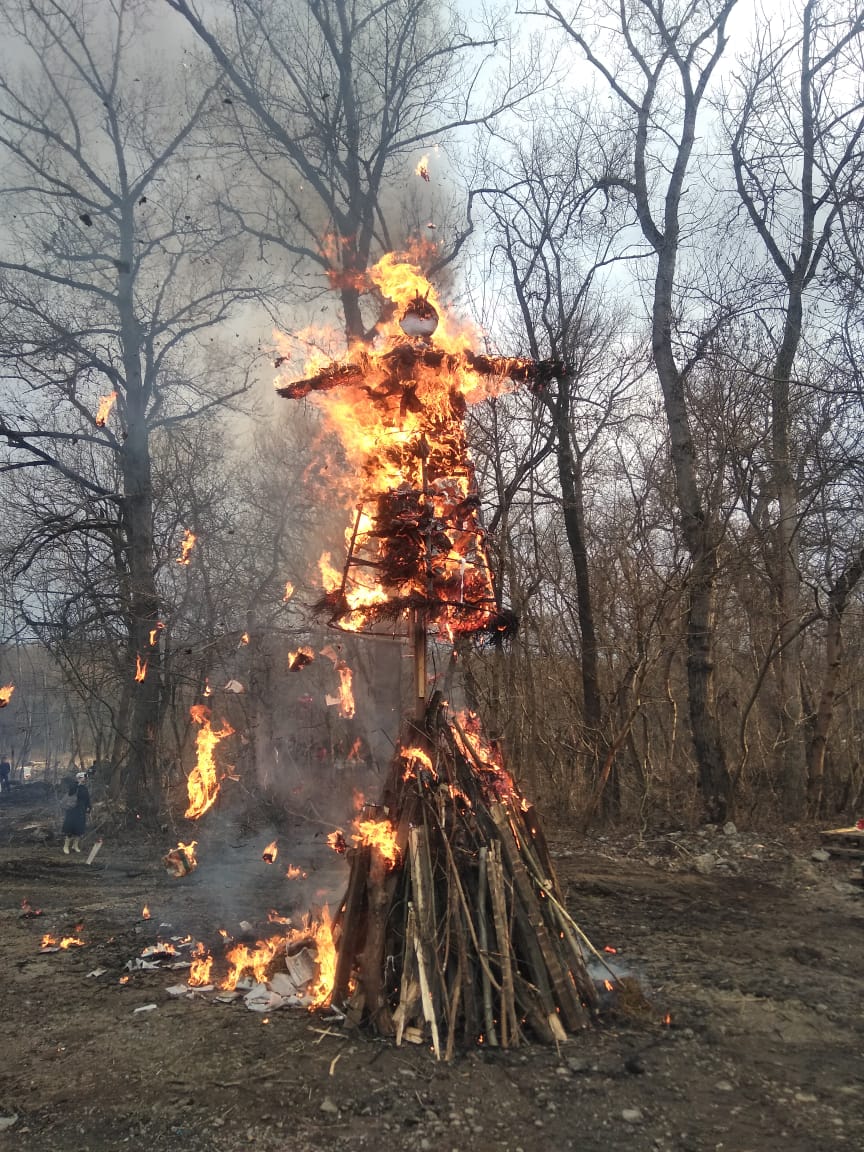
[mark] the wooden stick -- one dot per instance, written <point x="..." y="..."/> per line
<point x="509" y="1023"/>
<point x="483" y="933"/>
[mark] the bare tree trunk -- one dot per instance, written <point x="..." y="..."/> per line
<point x="838" y="598"/>
<point x="573" y="511"/>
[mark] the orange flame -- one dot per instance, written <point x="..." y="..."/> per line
<point x="154" y="632"/>
<point x="485" y="758"/>
<point x="244" y="639"/>
<point x="380" y="835"/>
<point x="321" y="932"/>
<point x="257" y="960"/>
<point x="274" y="917"/>
<point x="295" y="873"/>
<point x="199" y="969"/>
<point x="398" y="411"/>
<point x="186" y="546"/>
<point x="140" y="668"/>
<point x="106" y="403"/>
<point x="203" y="782"/>
<point x="6" y="694"/>
<point x="416" y="760"/>
<point x="422" y="168"/>
<point x="145" y="913"/>
<point x="346" y="696"/>
<point x="289" y="591"/>
<point x="270" y="852"/>
<point x="49" y="941"/>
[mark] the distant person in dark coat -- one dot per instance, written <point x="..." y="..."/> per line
<point x="5" y="772"/>
<point x="76" y="806"/>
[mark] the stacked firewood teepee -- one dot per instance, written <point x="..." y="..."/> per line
<point x="457" y="931"/>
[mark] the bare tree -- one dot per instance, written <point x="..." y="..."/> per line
<point x="796" y="127"/>
<point x="330" y="102"/>
<point x="114" y="280"/>
<point x="657" y="61"/>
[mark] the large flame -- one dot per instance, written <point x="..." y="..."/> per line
<point x="106" y="403"/>
<point x="6" y="694"/>
<point x="203" y="782"/>
<point x="346" y="695"/>
<point x="415" y="540"/>
<point x="321" y="933"/>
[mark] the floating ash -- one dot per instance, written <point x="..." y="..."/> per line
<point x="180" y="861"/>
<point x="270" y="852"/>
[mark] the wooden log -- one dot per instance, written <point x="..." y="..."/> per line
<point x="424" y="935"/>
<point x="507" y="1016"/>
<point x="380" y="886"/>
<point x="409" y="986"/>
<point x="350" y="921"/>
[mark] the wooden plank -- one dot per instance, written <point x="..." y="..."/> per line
<point x="350" y="923"/>
<point x="483" y="935"/>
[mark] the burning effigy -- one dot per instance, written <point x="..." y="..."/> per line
<point x="452" y="930"/>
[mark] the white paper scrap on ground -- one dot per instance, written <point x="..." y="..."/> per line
<point x="145" y="1008"/>
<point x="8" y="1121"/>
<point x="97" y="972"/>
<point x="261" y="999"/>
<point x="177" y="990"/>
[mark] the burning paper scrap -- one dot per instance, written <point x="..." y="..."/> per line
<point x="270" y="852"/>
<point x="346" y="695"/>
<point x="28" y="912"/>
<point x="289" y="591"/>
<point x="422" y="169"/>
<point x="300" y="659"/>
<point x="337" y="841"/>
<point x="203" y="783"/>
<point x="244" y="639"/>
<point x="51" y="944"/>
<point x="106" y="403"/>
<point x="295" y="873"/>
<point x="145" y="913"/>
<point x="6" y="694"/>
<point x="140" y="669"/>
<point x="154" y="633"/>
<point x="180" y="861"/>
<point x="186" y="546"/>
<point x="201" y="967"/>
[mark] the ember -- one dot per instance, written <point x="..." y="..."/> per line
<point x="106" y="403"/>
<point x="203" y="782"/>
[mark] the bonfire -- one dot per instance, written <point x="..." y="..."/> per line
<point x="453" y="929"/>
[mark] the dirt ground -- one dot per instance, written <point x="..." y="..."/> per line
<point x="748" y="950"/>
